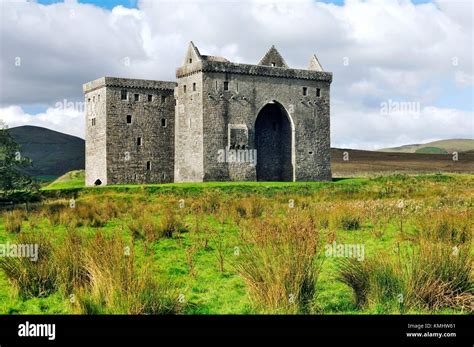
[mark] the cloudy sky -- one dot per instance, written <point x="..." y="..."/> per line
<point x="402" y="70"/>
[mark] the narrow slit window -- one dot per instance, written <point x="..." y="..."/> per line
<point x="139" y="141"/>
<point x="148" y="165"/>
<point x="163" y="122"/>
<point x="184" y="88"/>
<point x="194" y="86"/>
<point x="163" y="99"/>
<point x="226" y="85"/>
<point x="150" y="98"/>
<point x="93" y="98"/>
<point x="129" y="119"/>
<point x="305" y="91"/>
<point x="98" y="98"/>
<point x="318" y="92"/>
<point x="137" y="97"/>
<point x="93" y="121"/>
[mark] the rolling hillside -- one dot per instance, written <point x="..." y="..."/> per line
<point x="441" y="146"/>
<point x="369" y="163"/>
<point x="53" y="153"/>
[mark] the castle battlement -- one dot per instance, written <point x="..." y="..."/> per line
<point x="255" y="70"/>
<point x="127" y="83"/>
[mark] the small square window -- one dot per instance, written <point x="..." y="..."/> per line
<point x="194" y="87"/>
<point x="139" y="141"/>
<point x="163" y="122"/>
<point x="305" y="91"/>
<point x="136" y="97"/>
<point x="150" y="98"/>
<point x="123" y="94"/>
<point x="273" y="64"/>
<point x="163" y="99"/>
<point x="318" y="92"/>
<point x="129" y="119"/>
<point x="226" y="85"/>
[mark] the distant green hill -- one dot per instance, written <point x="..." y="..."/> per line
<point x="432" y="150"/>
<point x="446" y="146"/>
<point x="53" y="153"/>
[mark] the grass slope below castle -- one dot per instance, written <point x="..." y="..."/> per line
<point x="383" y="245"/>
<point x="74" y="180"/>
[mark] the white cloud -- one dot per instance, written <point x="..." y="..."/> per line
<point x="69" y="120"/>
<point x="373" y="129"/>
<point x="396" y="50"/>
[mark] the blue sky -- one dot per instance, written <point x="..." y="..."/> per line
<point x="133" y="3"/>
<point x="109" y="4"/>
<point x="399" y="51"/>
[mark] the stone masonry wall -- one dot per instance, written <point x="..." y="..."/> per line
<point x="189" y="165"/>
<point x="96" y="136"/>
<point x="138" y="132"/>
<point x="240" y="105"/>
<point x="143" y="131"/>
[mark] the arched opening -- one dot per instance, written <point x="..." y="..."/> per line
<point x="273" y="141"/>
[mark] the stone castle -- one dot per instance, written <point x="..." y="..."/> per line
<point x="221" y="121"/>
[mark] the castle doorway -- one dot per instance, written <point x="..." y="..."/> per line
<point x="273" y="141"/>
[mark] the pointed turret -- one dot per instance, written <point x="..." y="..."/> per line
<point x="314" y="64"/>
<point x="192" y="54"/>
<point x="273" y="58"/>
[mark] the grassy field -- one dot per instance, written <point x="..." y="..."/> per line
<point x="348" y="163"/>
<point x="392" y="244"/>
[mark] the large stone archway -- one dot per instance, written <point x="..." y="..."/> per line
<point x="274" y="144"/>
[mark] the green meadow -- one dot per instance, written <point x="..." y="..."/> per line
<point x="387" y="245"/>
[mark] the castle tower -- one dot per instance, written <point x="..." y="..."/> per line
<point x="229" y="114"/>
<point x="129" y="131"/>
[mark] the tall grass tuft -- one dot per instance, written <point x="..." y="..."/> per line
<point x="32" y="278"/>
<point x="446" y="225"/>
<point x="70" y="259"/>
<point x="278" y="261"/>
<point x="13" y="220"/>
<point x="432" y="278"/>
<point x="356" y="275"/>
<point x="117" y="285"/>
<point x="345" y="218"/>
<point x="441" y="276"/>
